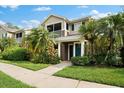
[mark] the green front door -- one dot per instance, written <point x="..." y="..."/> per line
<point x="77" y="49"/>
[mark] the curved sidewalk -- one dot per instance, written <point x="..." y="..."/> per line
<point x="44" y="79"/>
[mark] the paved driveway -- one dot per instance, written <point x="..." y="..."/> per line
<point x="44" y="79"/>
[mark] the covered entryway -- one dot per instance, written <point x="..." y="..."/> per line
<point x="70" y="46"/>
<point x="66" y="50"/>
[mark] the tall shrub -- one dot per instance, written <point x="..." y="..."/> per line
<point x="16" y="53"/>
<point x="41" y="44"/>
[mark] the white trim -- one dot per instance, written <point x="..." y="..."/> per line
<point x="68" y="52"/>
<point x="68" y="38"/>
<point x="64" y="26"/>
<point x="59" y="49"/>
<point x="82" y="48"/>
<point x="74" y="49"/>
<point x="53" y="23"/>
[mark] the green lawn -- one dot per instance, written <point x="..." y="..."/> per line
<point x="26" y="64"/>
<point x="111" y="76"/>
<point x="8" y="82"/>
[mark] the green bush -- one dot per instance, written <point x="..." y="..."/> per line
<point x="46" y="59"/>
<point x="122" y="55"/>
<point x="80" y="61"/>
<point x="113" y="60"/>
<point x="99" y="59"/>
<point x="16" y="53"/>
<point x="6" y="43"/>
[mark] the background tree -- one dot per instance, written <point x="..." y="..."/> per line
<point x="6" y="43"/>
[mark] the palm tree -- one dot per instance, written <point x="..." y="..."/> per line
<point x="88" y="32"/>
<point x="1" y="46"/>
<point x="6" y="43"/>
<point x="38" y="41"/>
<point x="111" y="27"/>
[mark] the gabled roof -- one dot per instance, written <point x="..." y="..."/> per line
<point x="60" y="17"/>
<point x="67" y="20"/>
<point x="80" y="19"/>
<point x="11" y="30"/>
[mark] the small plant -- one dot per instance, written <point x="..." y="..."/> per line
<point x="80" y="60"/>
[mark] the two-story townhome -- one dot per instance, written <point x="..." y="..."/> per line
<point x="69" y="42"/>
<point x="6" y="32"/>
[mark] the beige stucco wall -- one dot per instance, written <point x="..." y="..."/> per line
<point x="53" y="20"/>
<point x="10" y="35"/>
<point x="77" y="26"/>
<point x="27" y="32"/>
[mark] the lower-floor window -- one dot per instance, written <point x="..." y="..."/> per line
<point x="4" y="35"/>
<point x="77" y="49"/>
<point x="18" y="35"/>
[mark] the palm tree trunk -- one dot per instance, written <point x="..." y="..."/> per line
<point x="110" y="45"/>
<point x="92" y="49"/>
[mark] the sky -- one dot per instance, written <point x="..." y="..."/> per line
<point x="29" y="16"/>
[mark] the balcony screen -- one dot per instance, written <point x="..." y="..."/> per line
<point x="57" y="26"/>
<point x="50" y="28"/>
<point x="18" y="35"/>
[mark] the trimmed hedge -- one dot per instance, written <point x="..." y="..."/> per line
<point x="16" y="54"/>
<point x="80" y="61"/>
<point x="46" y="59"/>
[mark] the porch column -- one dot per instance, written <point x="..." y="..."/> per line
<point x="82" y="48"/>
<point x="64" y="27"/>
<point x="59" y="49"/>
<point x="73" y="49"/>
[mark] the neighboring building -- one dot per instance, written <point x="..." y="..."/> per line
<point x="68" y="39"/>
<point x="6" y="32"/>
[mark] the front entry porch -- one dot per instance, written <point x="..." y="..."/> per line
<point x="66" y="50"/>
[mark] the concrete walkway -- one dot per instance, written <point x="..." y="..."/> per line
<point x="44" y="79"/>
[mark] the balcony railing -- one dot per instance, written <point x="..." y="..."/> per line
<point x="72" y="33"/>
<point x="19" y="40"/>
<point x="63" y="33"/>
<point x="58" y="33"/>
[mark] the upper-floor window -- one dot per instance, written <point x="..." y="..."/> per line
<point x="54" y="27"/>
<point x="67" y="26"/>
<point x="50" y="28"/>
<point x="4" y="35"/>
<point x="83" y="22"/>
<point x="57" y="26"/>
<point x="18" y="35"/>
<point x="72" y="27"/>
